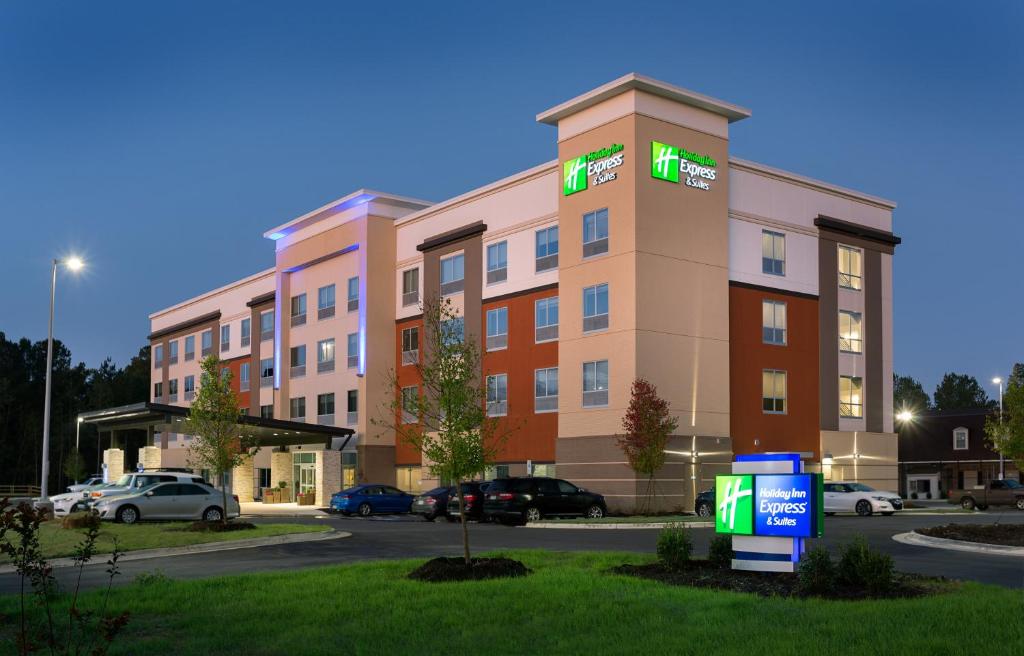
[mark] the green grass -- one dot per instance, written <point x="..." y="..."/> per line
<point x="569" y="605"/>
<point x="635" y="519"/>
<point x="57" y="541"/>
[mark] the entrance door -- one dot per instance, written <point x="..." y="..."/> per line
<point x="304" y="473"/>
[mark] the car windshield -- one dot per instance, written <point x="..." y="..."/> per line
<point x="860" y="487"/>
<point x="124" y="481"/>
<point x="1012" y="483"/>
<point x="510" y="485"/>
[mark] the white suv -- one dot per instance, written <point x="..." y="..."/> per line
<point x="135" y="481"/>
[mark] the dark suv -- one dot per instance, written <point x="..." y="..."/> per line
<point x="704" y="504"/>
<point x="528" y="499"/>
<point x="472" y="496"/>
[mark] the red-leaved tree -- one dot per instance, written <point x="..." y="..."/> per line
<point x="648" y="426"/>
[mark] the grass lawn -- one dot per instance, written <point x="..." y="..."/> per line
<point x="57" y="541"/>
<point x="567" y="606"/>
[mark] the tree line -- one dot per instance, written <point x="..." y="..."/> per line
<point x="75" y="388"/>
<point x="954" y="392"/>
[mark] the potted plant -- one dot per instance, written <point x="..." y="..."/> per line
<point x="282" y="492"/>
<point x="269" y="495"/>
<point x="307" y="498"/>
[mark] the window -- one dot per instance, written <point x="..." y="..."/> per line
<point x="298" y="362"/>
<point x="546" y="319"/>
<point x="158" y="391"/>
<point x="243" y="377"/>
<point x="497" y="329"/>
<point x="190" y="348"/>
<point x="225" y="372"/>
<point x="411" y="345"/>
<point x="595" y="384"/>
<point x="773" y="253"/>
<point x="595" y="233"/>
<point x="325" y="409"/>
<point x="246" y="331"/>
<point x="545" y="383"/>
<point x="410" y="403"/>
<point x="172" y="357"/>
<point x="172" y="390"/>
<point x="453" y="331"/>
<point x="850" y="269"/>
<point x="267" y="326"/>
<point x="298" y="408"/>
<point x="352" y="416"/>
<point x="773" y="391"/>
<point x="325" y="302"/>
<point x="158" y="356"/>
<point x="190" y="388"/>
<point x="497" y="262"/>
<point x="298" y="310"/>
<point x="851" y="339"/>
<point x="207" y="342"/>
<point x="497" y="395"/>
<point x="353" y="294"/>
<point x="773" y="322"/>
<point x="595" y="307"/>
<point x="225" y="337"/>
<point x="266" y="372"/>
<point x="353" y="350"/>
<point x="851" y="403"/>
<point x="547" y="249"/>
<point x="266" y="411"/>
<point x="960" y="439"/>
<point x="410" y="287"/>
<point x="453" y="274"/>
<point x="325" y="355"/>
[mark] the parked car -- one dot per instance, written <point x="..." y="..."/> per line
<point x="368" y="499"/>
<point x="433" y="504"/>
<point x="69" y="502"/>
<point x="704" y="504"/>
<point x="473" y="496"/>
<point x="846" y="496"/>
<point x="89" y="482"/>
<point x="1007" y="492"/>
<point x="528" y="499"/>
<point x="168" y="501"/>
<point x="135" y="481"/>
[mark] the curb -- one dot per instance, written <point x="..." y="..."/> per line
<point x="208" y="547"/>
<point x="918" y="540"/>
<point x="619" y="525"/>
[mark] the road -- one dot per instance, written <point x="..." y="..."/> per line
<point x="410" y="537"/>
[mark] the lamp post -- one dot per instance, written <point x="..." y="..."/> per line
<point x="73" y="264"/>
<point x="999" y="381"/>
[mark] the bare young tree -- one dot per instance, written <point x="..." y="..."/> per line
<point x="446" y="418"/>
<point x="648" y="425"/>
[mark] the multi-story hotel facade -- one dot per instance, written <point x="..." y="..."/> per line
<point x="758" y="301"/>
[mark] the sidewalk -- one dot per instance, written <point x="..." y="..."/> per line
<point x="259" y="509"/>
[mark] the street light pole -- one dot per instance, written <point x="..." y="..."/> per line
<point x="1002" y="460"/>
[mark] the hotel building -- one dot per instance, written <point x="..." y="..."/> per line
<point x="757" y="300"/>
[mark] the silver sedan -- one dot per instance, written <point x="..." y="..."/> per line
<point x="168" y="501"/>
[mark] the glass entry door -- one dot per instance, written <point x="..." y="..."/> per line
<point x="303" y="473"/>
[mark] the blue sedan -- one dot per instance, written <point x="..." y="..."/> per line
<point x="371" y="498"/>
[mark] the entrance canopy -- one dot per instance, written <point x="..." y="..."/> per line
<point x="161" y="418"/>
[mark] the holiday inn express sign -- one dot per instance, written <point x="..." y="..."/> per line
<point x="592" y="169"/>
<point x="777" y="505"/>
<point x="673" y="164"/>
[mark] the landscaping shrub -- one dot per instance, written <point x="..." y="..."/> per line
<point x="81" y="520"/>
<point x="674" y="546"/>
<point x="817" y="573"/>
<point x="720" y="551"/>
<point x="151" y="578"/>
<point x="862" y="566"/>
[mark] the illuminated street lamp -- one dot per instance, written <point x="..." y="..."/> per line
<point x="73" y="264"/>
<point x="999" y="381"/>
<point x="905" y="416"/>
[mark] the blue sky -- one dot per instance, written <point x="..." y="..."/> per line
<point x="161" y="139"/>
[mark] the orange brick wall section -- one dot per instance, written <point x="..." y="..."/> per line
<point x="407" y="375"/>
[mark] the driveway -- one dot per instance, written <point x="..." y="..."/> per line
<point x="410" y="537"/>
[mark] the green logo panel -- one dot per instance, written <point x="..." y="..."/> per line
<point x="664" y="162"/>
<point x="574" y="176"/>
<point x="734" y="499"/>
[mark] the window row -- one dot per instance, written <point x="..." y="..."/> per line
<point x="172" y="389"/>
<point x="774" y="331"/>
<point x="325" y="351"/>
<point x="850" y="260"/>
<point x="325" y="303"/>
<point x="774" y="396"/>
<point x="325" y="408"/>
<point x="206" y="346"/>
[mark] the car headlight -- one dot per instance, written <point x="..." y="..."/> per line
<point x="879" y="498"/>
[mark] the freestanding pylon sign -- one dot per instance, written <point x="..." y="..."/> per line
<point x="769" y="506"/>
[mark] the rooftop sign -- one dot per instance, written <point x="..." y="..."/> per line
<point x="591" y="169"/>
<point x="673" y="164"/>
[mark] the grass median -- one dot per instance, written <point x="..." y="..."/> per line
<point x="57" y="542"/>
<point x="568" y="605"/>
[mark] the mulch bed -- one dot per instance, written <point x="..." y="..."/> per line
<point x="1011" y="535"/>
<point x="702" y="574"/>
<point x="218" y="527"/>
<point x="441" y="570"/>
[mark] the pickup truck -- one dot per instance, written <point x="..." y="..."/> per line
<point x="996" y="493"/>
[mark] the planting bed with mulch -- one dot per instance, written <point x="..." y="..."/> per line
<point x="441" y="570"/>
<point x="702" y="574"/>
<point x="219" y="527"/>
<point x="1011" y="535"/>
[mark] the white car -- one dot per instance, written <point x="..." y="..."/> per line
<point x="65" y="503"/>
<point x="168" y="501"/>
<point x="89" y="482"/>
<point x="846" y="496"/>
<point x="134" y="481"/>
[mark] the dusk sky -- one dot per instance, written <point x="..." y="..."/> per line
<point x="159" y="140"/>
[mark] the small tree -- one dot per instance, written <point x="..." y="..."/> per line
<point x="1006" y="432"/>
<point x="447" y="421"/>
<point x="213" y="420"/>
<point x="648" y="426"/>
<point x="74" y="466"/>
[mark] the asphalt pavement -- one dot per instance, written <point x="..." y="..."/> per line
<point x="405" y="536"/>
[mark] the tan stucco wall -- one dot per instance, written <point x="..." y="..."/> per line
<point x="869" y="458"/>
